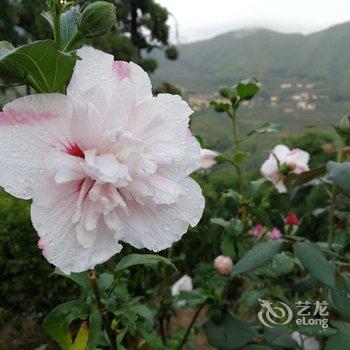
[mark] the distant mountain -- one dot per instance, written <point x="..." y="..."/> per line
<point x="305" y="81"/>
<point x="322" y="58"/>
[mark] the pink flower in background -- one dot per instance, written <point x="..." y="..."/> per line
<point x="208" y="159"/>
<point x="274" y="234"/>
<point x="292" y="219"/>
<point x="223" y="265"/>
<point x="282" y="161"/>
<point x="257" y="230"/>
<point x="106" y="163"/>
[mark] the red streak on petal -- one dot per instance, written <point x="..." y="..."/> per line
<point x="74" y="150"/>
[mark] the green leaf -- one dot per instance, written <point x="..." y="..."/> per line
<point x="105" y="280"/>
<point x="219" y="106"/>
<point x="310" y="175"/>
<point x="340" y="174"/>
<point x="95" y="329"/>
<point x="220" y="221"/>
<point x="339" y="341"/>
<point x="316" y="331"/>
<point x="228" y="92"/>
<point x="38" y="64"/>
<point x="341" y="297"/>
<point x="255" y="187"/>
<point x="247" y="89"/>
<point x="143" y="311"/>
<point x="79" y="278"/>
<point x="228" y="332"/>
<point x="68" y="23"/>
<point x="141" y="259"/>
<point x="192" y="298"/>
<point x="315" y="262"/>
<point x="280" y="337"/>
<point x="266" y="128"/>
<point x="257" y="347"/>
<point x="82" y="338"/>
<point x="257" y="256"/>
<point x="225" y="91"/>
<point x="237" y="197"/>
<point x="240" y="156"/>
<point x="151" y="337"/>
<point x="56" y="323"/>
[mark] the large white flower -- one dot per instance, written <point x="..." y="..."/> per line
<point x="281" y="161"/>
<point x="107" y="162"/>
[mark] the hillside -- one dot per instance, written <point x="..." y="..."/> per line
<point x="305" y="80"/>
<point x="321" y="58"/>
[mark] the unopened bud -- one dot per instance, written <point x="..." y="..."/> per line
<point x="223" y="265"/>
<point x="97" y="19"/>
<point x="344" y="124"/>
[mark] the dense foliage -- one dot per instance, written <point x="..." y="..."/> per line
<point x="258" y="254"/>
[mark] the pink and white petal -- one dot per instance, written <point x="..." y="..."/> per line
<point x="87" y="128"/>
<point x="58" y="238"/>
<point x="65" y="166"/>
<point x="120" y="105"/>
<point x="176" y="160"/>
<point x="158" y="227"/>
<point x="190" y="204"/>
<point x="94" y="69"/>
<point x="300" y="159"/>
<point x="121" y="69"/>
<point x="161" y="119"/>
<point x="281" y="188"/>
<point x="269" y="169"/>
<point x="151" y="227"/>
<point x="141" y="81"/>
<point x="280" y="151"/>
<point x="29" y="128"/>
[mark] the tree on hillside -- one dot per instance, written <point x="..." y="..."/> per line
<point x="141" y="27"/>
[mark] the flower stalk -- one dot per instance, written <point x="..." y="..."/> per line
<point x="236" y="144"/>
<point x="102" y="310"/>
<point x="189" y="328"/>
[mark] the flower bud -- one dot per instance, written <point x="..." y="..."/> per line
<point x="97" y="19"/>
<point x="274" y="234"/>
<point x="292" y="219"/>
<point x="223" y="265"/>
<point x="257" y="230"/>
<point x="344" y="124"/>
<point x="208" y="159"/>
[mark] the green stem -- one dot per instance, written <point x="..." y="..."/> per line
<point x="236" y="144"/>
<point x="102" y="310"/>
<point x="331" y="218"/>
<point x="73" y="41"/>
<point x="188" y="331"/>
<point x="57" y="29"/>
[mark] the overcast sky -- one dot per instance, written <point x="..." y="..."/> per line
<point x="200" y="19"/>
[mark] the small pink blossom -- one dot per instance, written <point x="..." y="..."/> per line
<point x="282" y="161"/>
<point x="257" y="230"/>
<point x="223" y="265"/>
<point x="208" y="159"/>
<point x="274" y="234"/>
